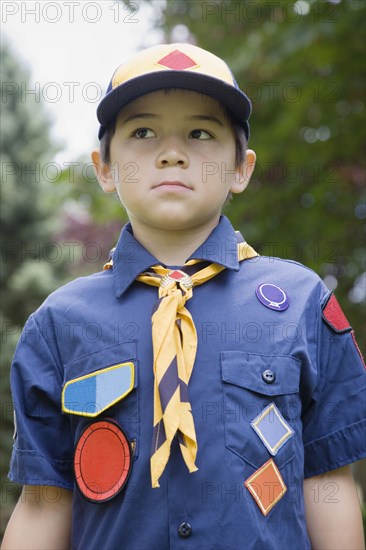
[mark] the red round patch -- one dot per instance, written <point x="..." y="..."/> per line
<point x="102" y="460"/>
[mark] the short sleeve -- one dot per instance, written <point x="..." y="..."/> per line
<point x="334" y="426"/>
<point x="42" y="450"/>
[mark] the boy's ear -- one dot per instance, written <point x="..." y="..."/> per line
<point x="244" y="172"/>
<point x="103" y="173"/>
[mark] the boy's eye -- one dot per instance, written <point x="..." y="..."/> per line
<point x="142" y="133"/>
<point x="200" y="134"/>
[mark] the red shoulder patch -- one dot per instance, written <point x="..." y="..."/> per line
<point x="334" y="316"/>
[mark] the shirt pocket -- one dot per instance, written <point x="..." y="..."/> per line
<point x="251" y="384"/>
<point x="103" y="384"/>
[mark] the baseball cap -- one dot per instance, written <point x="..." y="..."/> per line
<point x="182" y="66"/>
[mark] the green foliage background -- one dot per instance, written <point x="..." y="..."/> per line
<point x="25" y="222"/>
<point x="305" y="74"/>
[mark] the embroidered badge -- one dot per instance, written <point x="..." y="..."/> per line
<point x="334" y="316"/>
<point x="272" y="296"/>
<point x="266" y="486"/>
<point x="178" y="61"/>
<point x="102" y="461"/>
<point x="94" y="393"/>
<point x="272" y="428"/>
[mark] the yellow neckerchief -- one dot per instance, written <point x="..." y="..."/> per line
<point x="174" y="339"/>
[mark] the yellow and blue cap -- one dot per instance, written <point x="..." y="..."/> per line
<point x="182" y="66"/>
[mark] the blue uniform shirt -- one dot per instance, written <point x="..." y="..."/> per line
<point x="268" y="384"/>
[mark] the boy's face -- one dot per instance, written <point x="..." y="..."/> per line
<point x="173" y="161"/>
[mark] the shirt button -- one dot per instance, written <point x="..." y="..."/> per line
<point x="184" y="530"/>
<point x="268" y="376"/>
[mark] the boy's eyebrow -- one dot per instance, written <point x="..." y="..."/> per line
<point x="140" y="115"/>
<point x="192" y="117"/>
<point x="205" y="117"/>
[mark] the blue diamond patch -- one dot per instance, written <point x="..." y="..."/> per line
<point x="272" y="428"/>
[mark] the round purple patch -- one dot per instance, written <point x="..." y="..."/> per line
<point x="272" y="296"/>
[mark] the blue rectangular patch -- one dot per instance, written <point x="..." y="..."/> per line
<point x="93" y="393"/>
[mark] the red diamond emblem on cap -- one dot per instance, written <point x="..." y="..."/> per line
<point x="177" y="60"/>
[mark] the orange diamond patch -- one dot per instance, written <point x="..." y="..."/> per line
<point x="266" y="486"/>
<point x="178" y="61"/>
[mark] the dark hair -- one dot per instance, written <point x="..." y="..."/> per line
<point x="241" y="143"/>
<point x="240" y="140"/>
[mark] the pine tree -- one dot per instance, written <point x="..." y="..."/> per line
<point x="27" y="226"/>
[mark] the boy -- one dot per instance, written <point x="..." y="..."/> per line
<point x="200" y="384"/>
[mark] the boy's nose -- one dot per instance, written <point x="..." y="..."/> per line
<point x="172" y="156"/>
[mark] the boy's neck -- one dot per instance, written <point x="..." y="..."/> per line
<point x="172" y="248"/>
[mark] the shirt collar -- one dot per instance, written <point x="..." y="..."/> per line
<point x="220" y="246"/>
<point x="130" y="258"/>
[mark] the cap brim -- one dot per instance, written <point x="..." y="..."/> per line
<point x="232" y="98"/>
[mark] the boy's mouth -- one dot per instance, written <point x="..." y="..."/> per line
<point x="172" y="184"/>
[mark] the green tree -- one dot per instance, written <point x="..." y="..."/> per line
<point x="303" y="65"/>
<point x="27" y="225"/>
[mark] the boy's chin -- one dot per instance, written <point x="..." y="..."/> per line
<point x="171" y="224"/>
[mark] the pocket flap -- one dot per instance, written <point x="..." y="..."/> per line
<point x="247" y="370"/>
<point x="93" y="393"/>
